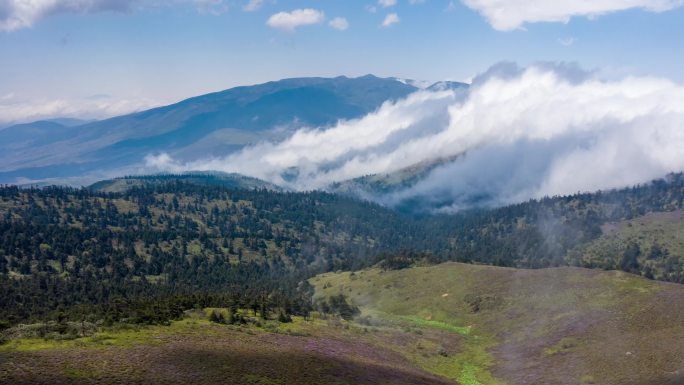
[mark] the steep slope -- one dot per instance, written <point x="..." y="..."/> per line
<point x="548" y="326"/>
<point x="213" y="124"/>
<point x="377" y="186"/>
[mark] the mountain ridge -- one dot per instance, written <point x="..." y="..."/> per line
<point x="228" y="120"/>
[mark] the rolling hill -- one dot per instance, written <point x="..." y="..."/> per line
<point x="525" y="327"/>
<point x="444" y="324"/>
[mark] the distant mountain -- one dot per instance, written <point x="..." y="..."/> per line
<point x="448" y="85"/>
<point x="29" y="135"/>
<point x="20" y="138"/>
<point x="209" y="125"/>
<point x="71" y="122"/>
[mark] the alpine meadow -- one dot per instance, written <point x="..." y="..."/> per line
<point x="387" y="192"/>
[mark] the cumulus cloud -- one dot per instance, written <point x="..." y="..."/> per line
<point x="339" y="23"/>
<point x="14" y="109"/>
<point x="387" y="3"/>
<point x="390" y="19"/>
<point x="289" y="21"/>
<point x="518" y="133"/>
<point x="513" y="14"/>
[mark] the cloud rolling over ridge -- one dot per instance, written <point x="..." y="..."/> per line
<point x="518" y="133"/>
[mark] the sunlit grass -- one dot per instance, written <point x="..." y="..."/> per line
<point x="120" y="335"/>
<point x="462" y="330"/>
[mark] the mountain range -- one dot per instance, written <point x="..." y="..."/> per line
<point x="216" y="124"/>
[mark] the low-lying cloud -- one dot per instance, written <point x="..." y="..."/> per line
<point x="14" y="109"/>
<point x="518" y="133"/>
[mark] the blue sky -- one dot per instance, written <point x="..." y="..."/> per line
<point x="95" y="58"/>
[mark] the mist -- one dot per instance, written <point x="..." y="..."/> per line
<point x="517" y="133"/>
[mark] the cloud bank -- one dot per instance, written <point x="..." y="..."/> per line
<point x="14" y="109"/>
<point x="507" y="15"/>
<point x="518" y="133"/>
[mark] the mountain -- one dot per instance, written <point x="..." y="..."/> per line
<point x="448" y="85"/>
<point x="26" y="137"/>
<point x="208" y="125"/>
<point x="71" y="122"/>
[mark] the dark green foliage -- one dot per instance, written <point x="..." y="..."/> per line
<point x="338" y="305"/>
<point x="147" y="254"/>
<point x="80" y="247"/>
<point x="404" y="259"/>
<point x="219" y="318"/>
<point x="284" y="317"/>
<point x="630" y="262"/>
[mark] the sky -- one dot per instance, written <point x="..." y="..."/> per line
<point x="100" y="58"/>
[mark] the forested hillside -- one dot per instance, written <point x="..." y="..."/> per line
<point x="62" y="247"/>
<point x="149" y="252"/>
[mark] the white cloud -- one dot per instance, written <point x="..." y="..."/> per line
<point x="339" y="23"/>
<point x="253" y="5"/>
<point x="517" y="134"/>
<point x="507" y="15"/>
<point x="390" y="19"/>
<point x="17" y="14"/>
<point x="289" y="21"/>
<point x="17" y="110"/>
<point x="387" y="3"/>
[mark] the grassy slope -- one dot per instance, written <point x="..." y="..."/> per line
<point x="552" y="326"/>
<point x="196" y="351"/>
<point x="444" y="324"/>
